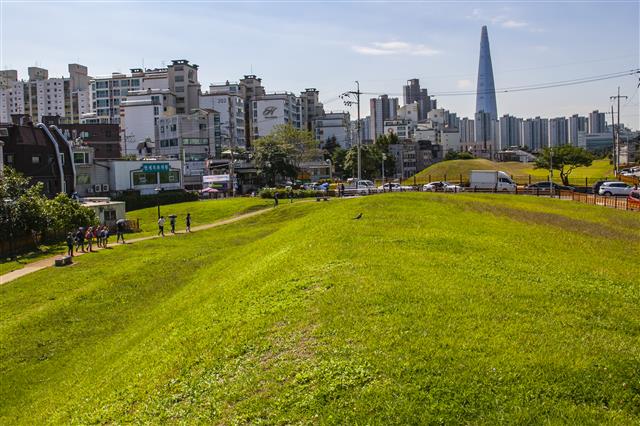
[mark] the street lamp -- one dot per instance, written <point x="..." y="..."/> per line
<point x="384" y="158"/>
<point x="328" y="161"/>
<point x="158" y="192"/>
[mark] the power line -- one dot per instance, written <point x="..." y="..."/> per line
<point x="537" y="86"/>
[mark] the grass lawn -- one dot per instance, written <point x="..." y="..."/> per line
<point x="454" y="168"/>
<point x="42" y="252"/>
<point x="202" y="212"/>
<point x="433" y="308"/>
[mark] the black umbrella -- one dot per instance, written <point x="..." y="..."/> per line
<point x="120" y="221"/>
<point x="173" y="216"/>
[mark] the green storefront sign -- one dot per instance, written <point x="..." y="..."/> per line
<point x="155" y="167"/>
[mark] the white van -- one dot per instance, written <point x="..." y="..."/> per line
<point x="491" y="180"/>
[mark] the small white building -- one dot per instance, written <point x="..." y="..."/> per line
<point x="107" y="211"/>
<point x="144" y="175"/>
<point x="401" y="128"/>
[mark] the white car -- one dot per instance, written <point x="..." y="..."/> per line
<point x="441" y="186"/>
<point x="614" y="188"/>
<point x="394" y="187"/>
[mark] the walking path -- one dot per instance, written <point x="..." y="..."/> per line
<point x="49" y="261"/>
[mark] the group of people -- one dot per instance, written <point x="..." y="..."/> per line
<point x="98" y="234"/>
<point x="172" y="222"/>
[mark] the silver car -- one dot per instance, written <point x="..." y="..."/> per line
<point x="614" y="188"/>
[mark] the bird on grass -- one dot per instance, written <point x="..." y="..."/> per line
<point x="358" y="217"/>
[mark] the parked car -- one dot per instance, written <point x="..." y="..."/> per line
<point x="360" y="187"/>
<point x="614" y="188"/>
<point x="546" y="186"/>
<point x="597" y="185"/>
<point x="441" y="186"/>
<point x="492" y="180"/>
<point x="633" y="199"/>
<point x="394" y="187"/>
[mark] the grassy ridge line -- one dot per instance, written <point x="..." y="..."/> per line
<point x="454" y="168"/>
<point x="308" y="313"/>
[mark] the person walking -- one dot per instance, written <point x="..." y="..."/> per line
<point x="172" y="222"/>
<point x="161" y="226"/>
<point x="89" y="237"/>
<point x="188" y="222"/>
<point x="341" y="190"/>
<point x="290" y="196"/>
<point x="80" y="240"/>
<point x="105" y="236"/>
<point x="70" y="241"/>
<point x="97" y="234"/>
<point x="120" y="231"/>
<point x="275" y="199"/>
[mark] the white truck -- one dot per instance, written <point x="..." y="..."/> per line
<point x="491" y="180"/>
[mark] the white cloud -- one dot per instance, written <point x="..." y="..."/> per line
<point x="502" y="20"/>
<point x="465" y="84"/>
<point x="510" y="23"/>
<point x="395" y="48"/>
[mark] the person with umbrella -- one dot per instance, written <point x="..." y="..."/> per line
<point x="188" y="222"/>
<point x="172" y="222"/>
<point x="120" y="223"/>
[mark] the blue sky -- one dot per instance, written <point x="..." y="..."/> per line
<point x="329" y="45"/>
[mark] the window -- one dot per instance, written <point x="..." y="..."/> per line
<point x="172" y="176"/>
<point x="203" y="126"/>
<point x="102" y="85"/>
<point x="124" y="83"/>
<point x="83" y="179"/>
<point x="173" y="128"/>
<point x="62" y="158"/>
<point x="156" y="110"/>
<point x="195" y="157"/>
<point x="179" y="77"/>
<point x="109" y="215"/>
<point x="9" y="158"/>
<point x="35" y="159"/>
<point x="180" y="89"/>
<point x="178" y="68"/>
<point x="140" y="178"/>
<point x="179" y="100"/>
<point x="135" y="82"/>
<point x="81" y="157"/>
<point x="116" y="83"/>
<point x="195" y="141"/>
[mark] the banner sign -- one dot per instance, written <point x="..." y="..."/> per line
<point x="155" y="167"/>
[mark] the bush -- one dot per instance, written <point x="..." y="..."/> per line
<point x="454" y="155"/>
<point x="297" y="193"/>
<point x="135" y="201"/>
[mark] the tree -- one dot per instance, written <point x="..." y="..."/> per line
<point x="339" y="155"/>
<point x="565" y="159"/>
<point x="371" y="162"/>
<point x="330" y="146"/>
<point x="67" y="214"/>
<point x="279" y="154"/>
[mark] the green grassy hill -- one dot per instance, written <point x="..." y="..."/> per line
<point x="465" y="308"/>
<point x="454" y="168"/>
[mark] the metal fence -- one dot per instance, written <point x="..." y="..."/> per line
<point x="523" y="180"/>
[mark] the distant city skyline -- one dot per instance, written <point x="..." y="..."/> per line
<point x="380" y="45"/>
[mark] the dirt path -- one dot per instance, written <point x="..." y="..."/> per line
<point x="49" y="261"/>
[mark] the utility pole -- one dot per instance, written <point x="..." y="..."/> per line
<point x="616" y="150"/>
<point x="232" y="145"/>
<point x="613" y="141"/>
<point x="348" y="102"/>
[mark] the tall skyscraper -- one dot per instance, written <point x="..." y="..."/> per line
<point x="577" y="125"/>
<point x="558" y="131"/>
<point x="597" y="122"/>
<point x="381" y="109"/>
<point x="413" y="93"/>
<point x="486" y="91"/>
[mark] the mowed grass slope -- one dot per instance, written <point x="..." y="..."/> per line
<point x="454" y="168"/>
<point x="433" y="308"/>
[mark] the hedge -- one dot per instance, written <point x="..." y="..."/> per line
<point x="297" y="193"/>
<point x="135" y="201"/>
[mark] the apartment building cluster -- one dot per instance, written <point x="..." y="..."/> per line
<point x="164" y="113"/>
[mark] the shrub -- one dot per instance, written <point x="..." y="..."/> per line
<point x="135" y="201"/>
<point x="297" y="193"/>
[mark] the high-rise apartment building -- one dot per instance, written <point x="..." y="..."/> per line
<point x="310" y="108"/>
<point x="252" y="87"/>
<point x="467" y="133"/>
<point x="535" y="133"/>
<point x="228" y="103"/>
<point x="597" y="122"/>
<point x="183" y="82"/>
<point x="412" y="93"/>
<point x="41" y="96"/>
<point x="486" y="134"/>
<point x="381" y="109"/>
<point x="486" y="90"/>
<point x="333" y="125"/>
<point x="577" y="125"/>
<point x="510" y="131"/>
<point x="558" y="132"/>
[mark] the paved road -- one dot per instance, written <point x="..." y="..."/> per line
<point x="49" y="261"/>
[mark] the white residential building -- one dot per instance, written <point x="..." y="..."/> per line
<point x="141" y="111"/>
<point x="275" y="109"/>
<point x="310" y="108"/>
<point x="333" y="125"/>
<point x="403" y="129"/>
<point x="66" y="97"/>
<point x="466" y="128"/>
<point x="191" y="138"/>
<point x="409" y="113"/>
<point x="510" y="131"/>
<point x="230" y="107"/>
